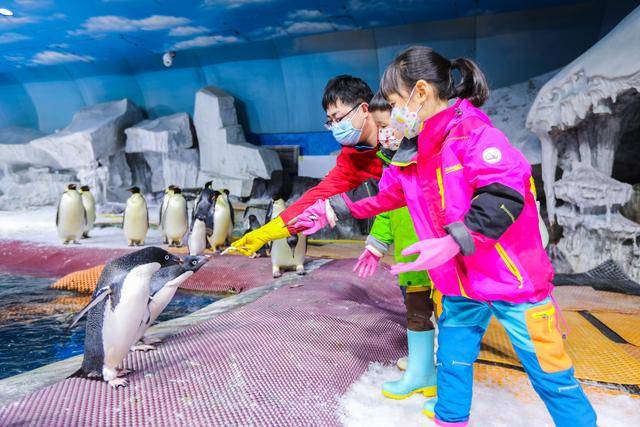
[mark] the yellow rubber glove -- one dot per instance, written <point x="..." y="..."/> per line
<point x="251" y="242"/>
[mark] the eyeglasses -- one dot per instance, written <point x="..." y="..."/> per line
<point x="329" y="123"/>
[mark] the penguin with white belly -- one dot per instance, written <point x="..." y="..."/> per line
<point x="164" y="284"/>
<point x="89" y="204"/>
<point x="200" y="226"/>
<point x="223" y="221"/>
<point x="207" y="189"/>
<point x="71" y="216"/>
<point x="135" y="222"/>
<point x="118" y="307"/>
<point x="286" y="253"/>
<point x="168" y="192"/>
<point x="175" y="218"/>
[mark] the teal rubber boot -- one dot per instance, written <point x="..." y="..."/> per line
<point x="420" y="376"/>
<point x="429" y="407"/>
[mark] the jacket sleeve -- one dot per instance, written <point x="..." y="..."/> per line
<point x="343" y="177"/>
<point x="389" y="198"/>
<point x="380" y="236"/>
<point x="498" y="173"/>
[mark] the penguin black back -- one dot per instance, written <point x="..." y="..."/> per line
<point x="111" y="280"/>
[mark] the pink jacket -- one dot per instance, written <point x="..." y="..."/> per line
<point x="468" y="181"/>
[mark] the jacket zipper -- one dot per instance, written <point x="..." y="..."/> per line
<point x="546" y="314"/>
<point x="440" y="186"/>
<point x="510" y="264"/>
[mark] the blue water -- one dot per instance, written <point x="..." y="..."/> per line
<point x="33" y="320"/>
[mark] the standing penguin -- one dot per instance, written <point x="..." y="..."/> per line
<point x="207" y="189"/>
<point x="223" y="221"/>
<point x="175" y="218"/>
<point x="71" y="216"/>
<point x="286" y="253"/>
<point x="136" y="218"/>
<point x="199" y="227"/>
<point x="168" y="192"/>
<point x="119" y="305"/>
<point x="89" y="204"/>
<point x="164" y="284"/>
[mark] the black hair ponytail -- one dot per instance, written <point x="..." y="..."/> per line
<point x="473" y="85"/>
<point x="423" y="63"/>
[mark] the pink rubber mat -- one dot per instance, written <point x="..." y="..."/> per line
<point x="282" y="360"/>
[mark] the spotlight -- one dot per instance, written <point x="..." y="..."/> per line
<point x="5" y="12"/>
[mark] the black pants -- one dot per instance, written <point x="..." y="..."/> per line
<point x="419" y="310"/>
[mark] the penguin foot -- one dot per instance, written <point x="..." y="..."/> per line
<point x="119" y="382"/>
<point x="66" y="242"/>
<point x="300" y="270"/>
<point x="85" y="235"/>
<point x="130" y="243"/>
<point x="143" y="347"/>
<point x="75" y="242"/>
<point x="151" y="340"/>
<point x="276" y="273"/>
<point x="124" y="372"/>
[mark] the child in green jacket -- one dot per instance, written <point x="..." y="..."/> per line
<point x="396" y="227"/>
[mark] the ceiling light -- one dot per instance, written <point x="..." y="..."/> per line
<point x="5" y="12"/>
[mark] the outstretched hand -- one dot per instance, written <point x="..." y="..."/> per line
<point x="312" y="220"/>
<point x="432" y="253"/>
<point x="367" y="264"/>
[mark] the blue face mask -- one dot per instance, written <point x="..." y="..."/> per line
<point x="345" y="133"/>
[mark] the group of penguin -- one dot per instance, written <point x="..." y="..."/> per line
<point x="76" y="214"/>
<point x="130" y="294"/>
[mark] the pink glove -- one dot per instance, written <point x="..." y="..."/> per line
<point x="433" y="253"/>
<point x="313" y="219"/>
<point x="367" y="264"/>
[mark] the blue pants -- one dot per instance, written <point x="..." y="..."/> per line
<point x="535" y="338"/>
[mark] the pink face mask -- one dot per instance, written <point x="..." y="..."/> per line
<point x="387" y="138"/>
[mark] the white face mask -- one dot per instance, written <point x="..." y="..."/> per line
<point x="387" y="138"/>
<point x="406" y="121"/>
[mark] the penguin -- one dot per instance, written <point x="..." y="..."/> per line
<point x="200" y="227"/>
<point x="286" y="253"/>
<point x="118" y="306"/>
<point x="135" y="222"/>
<point x="71" y="217"/>
<point x="89" y="204"/>
<point x="175" y="218"/>
<point x="222" y="221"/>
<point x="168" y="192"/>
<point x="207" y="188"/>
<point x="164" y="284"/>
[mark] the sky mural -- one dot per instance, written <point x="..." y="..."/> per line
<point x="47" y="32"/>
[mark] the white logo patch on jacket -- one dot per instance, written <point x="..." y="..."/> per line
<point x="491" y="155"/>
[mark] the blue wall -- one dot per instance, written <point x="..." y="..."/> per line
<point x="278" y="83"/>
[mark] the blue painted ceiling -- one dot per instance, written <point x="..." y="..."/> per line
<point x="47" y="32"/>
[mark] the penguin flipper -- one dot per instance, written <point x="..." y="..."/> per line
<point x="231" y="211"/>
<point x="101" y="294"/>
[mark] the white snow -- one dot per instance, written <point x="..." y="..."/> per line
<point x="225" y="156"/>
<point x="494" y="405"/>
<point x="39" y="226"/>
<point x="607" y="69"/>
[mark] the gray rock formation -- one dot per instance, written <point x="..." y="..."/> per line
<point x="225" y="156"/>
<point x="165" y="144"/>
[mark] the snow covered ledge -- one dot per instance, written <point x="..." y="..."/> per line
<point x="597" y="85"/>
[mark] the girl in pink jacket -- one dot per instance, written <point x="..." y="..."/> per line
<point x="472" y="201"/>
